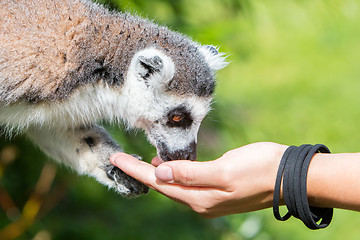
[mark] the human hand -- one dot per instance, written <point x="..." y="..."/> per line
<point x="242" y="180"/>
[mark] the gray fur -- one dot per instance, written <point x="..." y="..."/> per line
<point x="97" y="47"/>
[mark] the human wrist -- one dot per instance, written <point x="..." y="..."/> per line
<point x="272" y="169"/>
<point x="278" y="154"/>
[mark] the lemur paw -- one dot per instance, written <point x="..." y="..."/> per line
<point x="124" y="184"/>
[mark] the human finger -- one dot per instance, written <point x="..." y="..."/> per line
<point x="189" y="173"/>
<point x="139" y="170"/>
<point x="145" y="173"/>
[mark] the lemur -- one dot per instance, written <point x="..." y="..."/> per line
<point x="66" y="65"/>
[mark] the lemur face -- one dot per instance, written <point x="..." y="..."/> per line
<point x="174" y="133"/>
<point x="170" y="118"/>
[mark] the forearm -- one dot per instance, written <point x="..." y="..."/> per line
<point x="333" y="181"/>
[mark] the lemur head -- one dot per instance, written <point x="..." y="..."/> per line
<point x="169" y="95"/>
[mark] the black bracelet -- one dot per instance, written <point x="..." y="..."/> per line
<point x="292" y="173"/>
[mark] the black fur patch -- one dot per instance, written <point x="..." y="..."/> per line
<point x="94" y="70"/>
<point x="90" y="141"/>
<point x="186" y="119"/>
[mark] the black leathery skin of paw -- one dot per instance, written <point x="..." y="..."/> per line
<point x="136" y="188"/>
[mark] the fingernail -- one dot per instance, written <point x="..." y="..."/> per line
<point x="164" y="173"/>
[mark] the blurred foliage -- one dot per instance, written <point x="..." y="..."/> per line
<point x="293" y="79"/>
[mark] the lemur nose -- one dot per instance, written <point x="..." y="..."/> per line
<point x="189" y="153"/>
<point x="183" y="155"/>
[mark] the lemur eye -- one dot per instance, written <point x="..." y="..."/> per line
<point x="179" y="117"/>
<point x="175" y="120"/>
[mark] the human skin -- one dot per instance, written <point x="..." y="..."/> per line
<point x="243" y="179"/>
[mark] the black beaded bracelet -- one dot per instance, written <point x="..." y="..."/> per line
<point x="292" y="173"/>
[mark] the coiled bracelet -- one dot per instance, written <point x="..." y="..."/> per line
<point x="292" y="174"/>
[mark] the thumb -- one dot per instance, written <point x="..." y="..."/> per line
<point x="189" y="173"/>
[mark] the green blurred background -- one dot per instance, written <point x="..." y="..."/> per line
<point x="293" y="79"/>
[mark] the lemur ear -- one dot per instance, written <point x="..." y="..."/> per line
<point x="149" y="66"/>
<point x="213" y="57"/>
<point x="152" y="67"/>
<point x="211" y="49"/>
